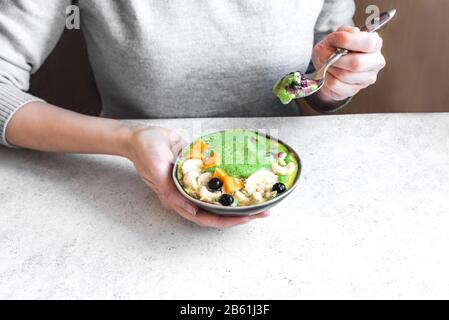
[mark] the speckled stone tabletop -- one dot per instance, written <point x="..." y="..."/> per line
<point x="370" y="219"/>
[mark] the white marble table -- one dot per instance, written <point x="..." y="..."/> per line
<point x="369" y="220"/>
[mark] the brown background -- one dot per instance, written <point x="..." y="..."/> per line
<point x="416" y="78"/>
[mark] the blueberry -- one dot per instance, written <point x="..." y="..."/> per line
<point x="215" y="184"/>
<point x="279" y="188"/>
<point x="226" y="200"/>
<point x="295" y="84"/>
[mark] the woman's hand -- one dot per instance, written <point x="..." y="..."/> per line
<point x="353" y="72"/>
<point x="40" y="126"/>
<point x="153" y="151"/>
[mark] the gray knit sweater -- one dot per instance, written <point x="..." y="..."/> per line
<point x="170" y="58"/>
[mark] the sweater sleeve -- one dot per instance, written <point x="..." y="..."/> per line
<point x="29" y="30"/>
<point x="335" y="13"/>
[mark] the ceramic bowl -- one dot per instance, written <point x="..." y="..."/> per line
<point x="243" y="210"/>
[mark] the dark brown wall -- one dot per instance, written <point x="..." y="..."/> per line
<point x="415" y="80"/>
<point x="66" y="78"/>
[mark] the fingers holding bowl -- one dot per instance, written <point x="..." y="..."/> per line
<point x="210" y="220"/>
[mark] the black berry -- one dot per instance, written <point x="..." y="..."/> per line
<point x="215" y="184"/>
<point x="279" y="188"/>
<point x="226" y="200"/>
<point x="295" y="85"/>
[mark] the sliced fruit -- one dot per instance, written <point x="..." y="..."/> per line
<point x="212" y="161"/>
<point x="231" y="184"/>
<point x="220" y="174"/>
<point x="197" y="150"/>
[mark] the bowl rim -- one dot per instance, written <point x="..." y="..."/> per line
<point x="236" y="209"/>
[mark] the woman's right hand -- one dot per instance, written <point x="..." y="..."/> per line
<point x="153" y="150"/>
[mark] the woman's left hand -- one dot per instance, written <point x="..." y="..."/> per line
<point x="355" y="71"/>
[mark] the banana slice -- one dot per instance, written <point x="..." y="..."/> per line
<point x="283" y="171"/>
<point x="207" y="196"/>
<point x="191" y="180"/>
<point x="261" y="181"/>
<point x="204" y="179"/>
<point x="192" y="165"/>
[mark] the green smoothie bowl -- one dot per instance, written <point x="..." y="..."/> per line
<point x="237" y="172"/>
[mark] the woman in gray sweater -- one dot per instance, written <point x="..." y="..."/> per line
<point x="194" y="58"/>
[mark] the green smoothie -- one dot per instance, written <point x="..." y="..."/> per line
<point x="294" y="86"/>
<point x="237" y="164"/>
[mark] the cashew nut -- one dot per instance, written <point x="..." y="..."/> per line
<point x="283" y="171"/>
<point x="281" y="159"/>
<point x="270" y="195"/>
<point x="257" y="197"/>
<point x="204" y="179"/>
<point x="207" y="196"/>
<point x="192" y="165"/>
<point x="190" y="180"/>
<point x="260" y="181"/>
<point x="241" y="198"/>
